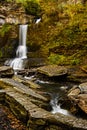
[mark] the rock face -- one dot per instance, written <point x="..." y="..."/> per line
<point x="13" y="13"/>
<point x="52" y="70"/>
<point x="78" y="95"/>
<point x="77" y="74"/>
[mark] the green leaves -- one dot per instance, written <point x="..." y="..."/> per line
<point x="32" y="7"/>
<point x="63" y="60"/>
<point x="57" y="59"/>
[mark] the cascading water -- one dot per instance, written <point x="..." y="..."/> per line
<point x="56" y="107"/>
<point x="21" y="53"/>
<point x="57" y="93"/>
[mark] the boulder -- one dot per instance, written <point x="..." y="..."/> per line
<point x="52" y="70"/>
<point x="78" y="95"/>
<point x="6" y="71"/>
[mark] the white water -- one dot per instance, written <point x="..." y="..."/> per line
<point x="56" y="107"/>
<point x="21" y="52"/>
<point x="2" y="21"/>
<point x="38" y="20"/>
<point x="29" y="78"/>
<point x="42" y="82"/>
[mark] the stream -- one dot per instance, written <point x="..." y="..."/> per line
<point x="57" y="93"/>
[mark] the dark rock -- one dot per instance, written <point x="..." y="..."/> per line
<point x="35" y="62"/>
<point x="6" y="71"/>
<point x="78" y="95"/>
<point x="76" y="74"/>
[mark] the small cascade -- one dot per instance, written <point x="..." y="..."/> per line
<point x="56" y="107"/>
<point x="37" y="20"/>
<point x="21" y="52"/>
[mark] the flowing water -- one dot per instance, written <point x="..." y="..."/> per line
<point x="21" y="52"/>
<point x="56" y="91"/>
<point x="56" y="106"/>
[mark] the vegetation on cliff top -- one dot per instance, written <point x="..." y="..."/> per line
<point x="61" y="36"/>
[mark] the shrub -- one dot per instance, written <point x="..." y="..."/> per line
<point x="5" y="28"/>
<point x="32" y="7"/>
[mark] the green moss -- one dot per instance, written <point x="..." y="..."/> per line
<point x="63" y="60"/>
<point x="5" y="29"/>
<point x="56" y="59"/>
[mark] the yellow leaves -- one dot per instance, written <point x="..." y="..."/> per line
<point x="73" y="10"/>
<point x="49" y="6"/>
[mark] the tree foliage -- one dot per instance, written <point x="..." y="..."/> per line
<point x="32" y="7"/>
<point x="62" y="33"/>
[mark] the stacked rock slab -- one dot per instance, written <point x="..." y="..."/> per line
<point x="19" y="99"/>
<point x="78" y="94"/>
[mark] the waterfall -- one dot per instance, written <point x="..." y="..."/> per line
<point x="21" y="52"/>
<point x="38" y="20"/>
<point x="22" y="49"/>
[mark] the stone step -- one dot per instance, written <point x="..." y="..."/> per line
<point x="19" y="87"/>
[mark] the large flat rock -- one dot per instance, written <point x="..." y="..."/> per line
<point x="52" y="70"/>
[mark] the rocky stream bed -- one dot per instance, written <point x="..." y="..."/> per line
<point x="29" y="105"/>
<point x="24" y="105"/>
